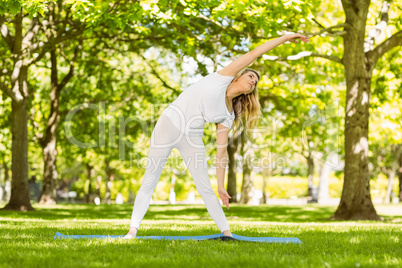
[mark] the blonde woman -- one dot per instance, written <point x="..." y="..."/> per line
<point x="222" y="97"/>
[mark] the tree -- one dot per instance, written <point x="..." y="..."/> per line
<point x="48" y="140"/>
<point x="246" y="151"/>
<point x="359" y="59"/>
<point x="400" y="179"/>
<point x="31" y="31"/>
<point x="5" y="147"/>
<point x="233" y="145"/>
<point x="19" y="49"/>
<point x="24" y="34"/>
<point x="386" y="135"/>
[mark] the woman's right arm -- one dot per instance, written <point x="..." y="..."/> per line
<point x="245" y="60"/>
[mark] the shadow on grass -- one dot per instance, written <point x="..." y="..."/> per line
<point x="261" y="213"/>
<point x="308" y="213"/>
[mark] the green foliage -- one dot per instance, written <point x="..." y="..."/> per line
<point x="5" y="134"/>
<point x="385" y="114"/>
<point x="131" y="64"/>
<point x="12" y="6"/>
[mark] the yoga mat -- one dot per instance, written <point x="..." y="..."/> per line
<point x="198" y="238"/>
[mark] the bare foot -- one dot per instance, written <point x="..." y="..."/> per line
<point x="131" y="234"/>
<point x="227" y="233"/>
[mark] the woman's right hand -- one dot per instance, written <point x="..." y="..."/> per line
<point x="223" y="194"/>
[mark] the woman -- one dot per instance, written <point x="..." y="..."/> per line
<point x="220" y="97"/>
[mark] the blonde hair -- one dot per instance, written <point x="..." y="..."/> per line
<point x="247" y="106"/>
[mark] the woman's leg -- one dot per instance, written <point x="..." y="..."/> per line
<point x="163" y="139"/>
<point x="193" y="152"/>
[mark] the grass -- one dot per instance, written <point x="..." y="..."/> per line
<point x="26" y="239"/>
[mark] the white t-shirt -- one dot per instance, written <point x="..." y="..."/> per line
<point x="201" y="102"/>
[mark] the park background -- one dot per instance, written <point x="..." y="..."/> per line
<point x="95" y="76"/>
<point x="83" y="83"/>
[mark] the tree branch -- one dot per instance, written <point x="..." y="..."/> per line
<point x="8" y="91"/>
<point x="155" y="73"/>
<point x="328" y="30"/>
<point x="394" y="41"/>
<point x="61" y="37"/>
<point x="328" y="57"/>
<point x="39" y="57"/>
<point x="32" y="32"/>
<point x="68" y="35"/>
<point x="69" y="75"/>
<point x="380" y="27"/>
<point x="4" y="71"/>
<point x="302" y="55"/>
<point x="38" y="135"/>
<point x="118" y="103"/>
<point x="218" y="24"/>
<point x="6" y="33"/>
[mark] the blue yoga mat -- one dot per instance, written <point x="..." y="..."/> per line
<point x="198" y="238"/>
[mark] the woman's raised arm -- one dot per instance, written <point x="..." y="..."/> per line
<point x="245" y="60"/>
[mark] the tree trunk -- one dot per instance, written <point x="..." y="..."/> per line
<point x="19" y="199"/>
<point x="7" y="183"/>
<point x="6" y="172"/>
<point x="400" y="178"/>
<point x="310" y="169"/>
<point x="323" y="186"/>
<point x="4" y="191"/>
<point x="49" y="142"/>
<point x="247" y="185"/>
<point x="396" y="151"/>
<point x="232" y="184"/>
<point x="356" y="201"/>
<point x="50" y="173"/>
<point x="232" y="167"/>
<point x="267" y="173"/>
<point x="89" y="179"/>
<point x="109" y="174"/>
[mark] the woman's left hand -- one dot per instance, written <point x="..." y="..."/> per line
<point x="294" y="38"/>
<point x="223" y="194"/>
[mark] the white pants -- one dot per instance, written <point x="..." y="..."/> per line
<point x="164" y="138"/>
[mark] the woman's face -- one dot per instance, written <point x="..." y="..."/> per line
<point x="247" y="82"/>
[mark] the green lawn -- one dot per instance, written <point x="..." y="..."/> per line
<point x="26" y="239"/>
